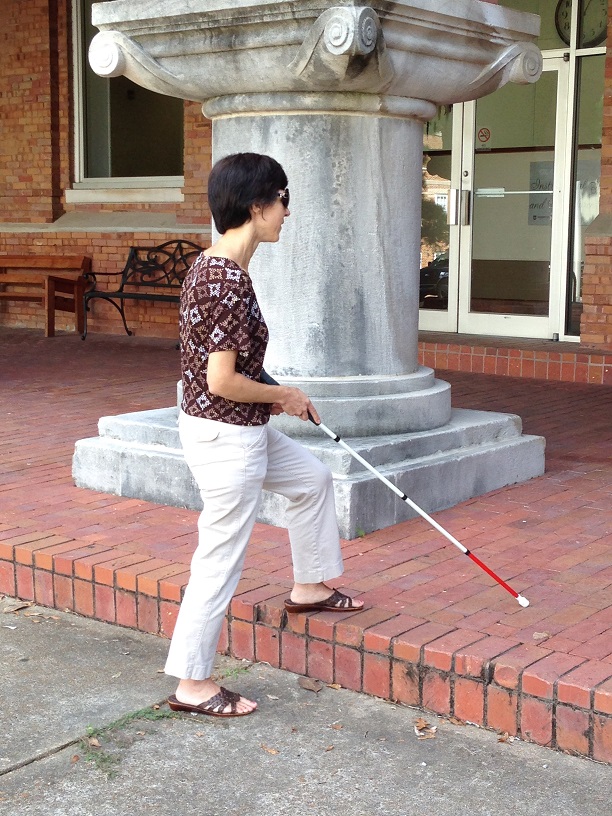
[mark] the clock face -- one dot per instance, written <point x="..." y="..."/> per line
<point x="594" y="23"/>
<point x="563" y="20"/>
<point x="594" y="16"/>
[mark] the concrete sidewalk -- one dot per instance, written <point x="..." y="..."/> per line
<point x="438" y="632"/>
<point x="74" y="745"/>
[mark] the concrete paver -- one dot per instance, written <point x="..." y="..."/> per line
<point x="63" y="673"/>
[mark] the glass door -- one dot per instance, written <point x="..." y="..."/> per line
<point x="511" y="208"/>
<point x="439" y="273"/>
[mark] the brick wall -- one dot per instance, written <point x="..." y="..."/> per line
<point x="596" y="321"/>
<point x="31" y="71"/>
<point x="36" y="164"/>
<point x="36" y="160"/>
<point x="197" y="160"/>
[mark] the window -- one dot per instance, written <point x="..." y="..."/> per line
<point x="124" y="133"/>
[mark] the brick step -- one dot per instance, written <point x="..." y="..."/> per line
<point x="526" y="690"/>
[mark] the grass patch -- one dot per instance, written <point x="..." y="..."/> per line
<point x="94" y="747"/>
<point x="102" y="745"/>
<point x="237" y="671"/>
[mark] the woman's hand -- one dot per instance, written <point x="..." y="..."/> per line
<point x="295" y="402"/>
<point x="225" y="381"/>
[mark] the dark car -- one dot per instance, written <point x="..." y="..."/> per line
<point x="433" y="281"/>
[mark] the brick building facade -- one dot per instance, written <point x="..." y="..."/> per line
<point x="37" y="150"/>
<point x="596" y="323"/>
<point x="42" y="211"/>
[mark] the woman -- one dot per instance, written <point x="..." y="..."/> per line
<point x="229" y="446"/>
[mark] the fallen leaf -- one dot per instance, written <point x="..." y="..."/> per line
<point x="455" y="721"/>
<point x="74" y="758"/>
<point x="272" y="697"/>
<point x="424" y="730"/>
<point x="161" y="671"/>
<point x="18" y="607"/>
<point x="32" y="614"/>
<point x="334" y="686"/>
<point x="270" y="750"/>
<point x="505" y="737"/>
<point x="115" y="676"/>
<point x="94" y="742"/>
<point x="199" y="733"/>
<point x="140" y="733"/>
<point x="310" y="684"/>
<point x="330" y="748"/>
<point x="336" y="726"/>
<point x="541" y="635"/>
<point x="155" y="707"/>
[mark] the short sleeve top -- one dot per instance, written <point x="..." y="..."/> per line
<point x="219" y="312"/>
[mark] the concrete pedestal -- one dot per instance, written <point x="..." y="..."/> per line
<point x="140" y="455"/>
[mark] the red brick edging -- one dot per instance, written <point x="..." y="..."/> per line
<point x="553" y="699"/>
<point x="531" y="363"/>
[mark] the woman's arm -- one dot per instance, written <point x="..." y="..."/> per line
<point x="224" y="381"/>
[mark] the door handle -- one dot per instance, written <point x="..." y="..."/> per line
<point x="459" y="207"/>
<point x="466" y="208"/>
<point x="452" y="215"/>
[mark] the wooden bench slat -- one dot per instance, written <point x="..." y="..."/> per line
<point x="77" y="262"/>
<point x="23" y="296"/>
<point x="21" y="279"/>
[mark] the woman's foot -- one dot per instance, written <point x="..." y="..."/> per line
<point x="310" y="597"/>
<point x="197" y="693"/>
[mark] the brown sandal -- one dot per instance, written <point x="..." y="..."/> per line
<point x="337" y="602"/>
<point x="214" y="706"/>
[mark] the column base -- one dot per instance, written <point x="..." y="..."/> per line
<point x="139" y="455"/>
<point x="372" y="406"/>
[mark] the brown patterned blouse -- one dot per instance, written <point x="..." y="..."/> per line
<point x="219" y="312"/>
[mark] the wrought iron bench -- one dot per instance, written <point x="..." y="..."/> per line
<point x="150" y="273"/>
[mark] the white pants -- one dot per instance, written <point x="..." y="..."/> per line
<point x="231" y="465"/>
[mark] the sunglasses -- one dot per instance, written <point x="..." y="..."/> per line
<point x="284" y="197"/>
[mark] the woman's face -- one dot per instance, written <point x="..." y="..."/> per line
<point x="269" y="219"/>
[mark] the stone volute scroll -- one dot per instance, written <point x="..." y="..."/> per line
<point x="344" y="48"/>
<point x="113" y="54"/>
<point x="520" y="63"/>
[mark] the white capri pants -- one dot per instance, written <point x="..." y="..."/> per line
<point x="231" y="465"/>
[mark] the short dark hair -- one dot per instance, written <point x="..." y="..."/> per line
<point x="238" y="181"/>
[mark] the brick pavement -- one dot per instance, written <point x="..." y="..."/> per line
<point x="437" y="632"/>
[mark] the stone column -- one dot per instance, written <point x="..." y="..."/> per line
<point x="341" y="288"/>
